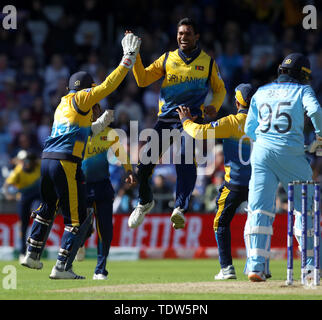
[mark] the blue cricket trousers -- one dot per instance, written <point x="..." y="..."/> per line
<point x="186" y="168"/>
<point x="100" y="197"/>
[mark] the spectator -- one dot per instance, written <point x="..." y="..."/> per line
<point x="5" y="140"/>
<point x="228" y="63"/>
<point x="6" y="73"/>
<point x="54" y="72"/>
<point x="151" y="98"/>
<point x="130" y="107"/>
<point x="92" y="64"/>
<point x="317" y="74"/>
<point x="27" y="73"/>
<point x="163" y="192"/>
<point x="22" y="46"/>
<point x="260" y="32"/>
<point x="37" y="111"/>
<point x="38" y="26"/>
<point x="44" y="129"/>
<point x="27" y="98"/>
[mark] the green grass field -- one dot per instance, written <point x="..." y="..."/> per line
<point x="155" y="280"/>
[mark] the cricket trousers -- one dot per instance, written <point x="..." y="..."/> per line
<point x="62" y="186"/>
<point x="25" y="206"/>
<point x="100" y="197"/>
<point x="228" y="200"/>
<point x="270" y="168"/>
<point x="184" y="159"/>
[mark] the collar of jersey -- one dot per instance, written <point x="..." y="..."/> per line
<point x="285" y="78"/>
<point x="188" y="58"/>
<point x="243" y="111"/>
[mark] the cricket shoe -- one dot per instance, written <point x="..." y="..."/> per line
<point x="255" y="276"/>
<point x="80" y="256"/>
<point x="226" y="273"/>
<point x="137" y="215"/>
<point x="31" y="262"/>
<point x="177" y="218"/>
<point x="57" y="273"/>
<point x="99" y="276"/>
<point x="21" y="258"/>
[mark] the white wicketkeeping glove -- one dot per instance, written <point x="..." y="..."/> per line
<point x="316" y="146"/>
<point x="102" y="122"/>
<point x="131" y="46"/>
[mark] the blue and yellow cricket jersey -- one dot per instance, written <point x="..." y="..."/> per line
<point x="27" y="183"/>
<point x="186" y="81"/>
<point x="95" y="164"/>
<point x="236" y="145"/>
<point x="73" y="117"/>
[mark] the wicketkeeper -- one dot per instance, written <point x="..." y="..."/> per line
<point x="62" y="180"/>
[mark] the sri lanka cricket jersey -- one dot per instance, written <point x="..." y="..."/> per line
<point x="27" y="183"/>
<point x="236" y="145"/>
<point x="95" y="164"/>
<point x="186" y="81"/>
<point x="73" y="117"/>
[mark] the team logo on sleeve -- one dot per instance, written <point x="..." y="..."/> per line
<point x="200" y="68"/>
<point x="215" y="124"/>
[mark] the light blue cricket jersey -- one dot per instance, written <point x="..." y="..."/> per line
<point x="276" y="115"/>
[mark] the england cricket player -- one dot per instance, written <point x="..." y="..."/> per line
<point x="275" y="122"/>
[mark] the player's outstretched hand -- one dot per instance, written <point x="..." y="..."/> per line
<point x="130" y="179"/>
<point x="184" y="113"/>
<point x="316" y="146"/>
<point x="131" y="46"/>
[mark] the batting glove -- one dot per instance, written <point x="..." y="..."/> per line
<point x="131" y="46"/>
<point x="102" y="122"/>
<point x="316" y="146"/>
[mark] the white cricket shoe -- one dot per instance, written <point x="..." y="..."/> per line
<point x="226" y="273"/>
<point x="80" y="256"/>
<point x="255" y="276"/>
<point x="21" y="258"/>
<point x="137" y="215"/>
<point x="99" y="276"/>
<point x="177" y="218"/>
<point x="63" y="274"/>
<point x="29" y="262"/>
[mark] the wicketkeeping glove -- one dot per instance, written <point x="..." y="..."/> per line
<point x="131" y="46"/>
<point x="102" y="122"/>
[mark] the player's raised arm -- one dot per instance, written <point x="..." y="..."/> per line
<point x="145" y="76"/>
<point x="222" y="128"/>
<point x="85" y="99"/>
<point x="218" y="90"/>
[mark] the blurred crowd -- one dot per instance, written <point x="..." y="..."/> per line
<point x="53" y="39"/>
